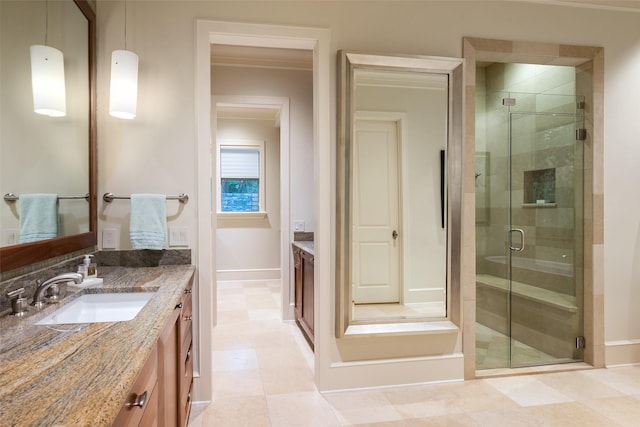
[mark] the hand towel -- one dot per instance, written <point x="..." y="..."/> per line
<point x="38" y="217"/>
<point x="147" y="229"/>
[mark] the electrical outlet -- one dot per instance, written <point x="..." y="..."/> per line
<point x="298" y="225"/>
<point x="110" y="238"/>
<point x="178" y="236"/>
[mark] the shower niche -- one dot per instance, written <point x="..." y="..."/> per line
<point x="540" y="188"/>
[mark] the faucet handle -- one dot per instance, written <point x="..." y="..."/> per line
<point x="15" y="293"/>
<point x="19" y="303"/>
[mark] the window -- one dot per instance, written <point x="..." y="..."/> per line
<point x="241" y="177"/>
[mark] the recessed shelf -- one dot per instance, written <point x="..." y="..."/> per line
<point x="539" y="205"/>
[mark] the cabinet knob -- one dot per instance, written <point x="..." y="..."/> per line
<point x="140" y="400"/>
<point x="187" y="317"/>
<point x="179" y="305"/>
<point x="188" y="291"/>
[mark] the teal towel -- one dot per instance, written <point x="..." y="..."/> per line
<point x="38" y="217"/>
<point x="148" y="224"/>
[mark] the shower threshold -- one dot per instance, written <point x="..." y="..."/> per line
<point x="493" y="352"/>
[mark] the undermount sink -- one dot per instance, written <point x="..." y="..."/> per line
<point x="95" y="308"/>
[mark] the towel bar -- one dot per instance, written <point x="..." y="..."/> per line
<point x="10" y="197"/>
<point x="109" y="197"/>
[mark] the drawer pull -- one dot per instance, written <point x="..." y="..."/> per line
<point x="188" y="317"/>
<point x="179" y="305"/>
<point x="188" y="291"/>
<point x="140" y="400"/>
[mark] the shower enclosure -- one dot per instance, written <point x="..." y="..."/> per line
<point x="529" y="230"/>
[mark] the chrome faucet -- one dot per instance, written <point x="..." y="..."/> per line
<point x="53" y="282"/>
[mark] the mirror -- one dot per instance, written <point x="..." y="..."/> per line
<point x="42" y="154"/>
<point x="398" y="176"/>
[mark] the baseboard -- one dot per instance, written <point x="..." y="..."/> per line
<point x="249" y="274"/>
<point x="377" y="374"/>
<point x="623" y="352"/>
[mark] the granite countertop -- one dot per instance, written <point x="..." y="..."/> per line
<point x="305" y="245"/>
<point x="80" y="375"/>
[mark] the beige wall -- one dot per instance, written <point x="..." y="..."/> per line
<point x="156" y="152"/>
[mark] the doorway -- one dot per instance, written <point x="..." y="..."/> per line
<point x="529" y="229"/>
<point x="243" y="34"/>
<point x="253" y="88"/>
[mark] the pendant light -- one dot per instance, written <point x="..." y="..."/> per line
<point x="123" y="92"/>
<point x="47" y="77"/>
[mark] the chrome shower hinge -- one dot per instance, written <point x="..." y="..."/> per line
<point x="581" y="134"/>
<point x="581" y="342"/>
<point x="509" y="102"/>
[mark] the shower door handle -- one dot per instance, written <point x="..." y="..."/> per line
<point x="517" y="230"/>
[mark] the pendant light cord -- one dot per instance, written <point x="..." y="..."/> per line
<point x="125" y="24"/>
<point x="46" y="22"/>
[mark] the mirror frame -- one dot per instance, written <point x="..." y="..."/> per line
<point x="453" y="67"/>
<point x="16" y="256"/>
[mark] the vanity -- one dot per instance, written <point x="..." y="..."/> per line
<point x="303" y="257"/>
<point x="121" y="372"/>
<point x="136" y="372"/>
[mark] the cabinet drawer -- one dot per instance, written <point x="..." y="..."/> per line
<point x="187" y="375"/>
<point x="131" y="415"/>
<point x="185" y="315"/>
<point x="186" y="341"/>
<point x="186" y="409"/>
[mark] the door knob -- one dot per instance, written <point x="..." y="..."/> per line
<point x="394" y="234"/>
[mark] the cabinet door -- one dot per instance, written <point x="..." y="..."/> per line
<point x="185" y="366"/>
<point x="151" y="415"/>
<point x="298" y="274"/>
<point x="137" y="403"/>
<point x="307" y="293"/>
<point x="168" y="371"/>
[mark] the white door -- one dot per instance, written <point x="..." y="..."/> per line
<point x="375" y="204"/>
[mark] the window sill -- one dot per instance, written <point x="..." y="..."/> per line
<point x="241" y="215"/>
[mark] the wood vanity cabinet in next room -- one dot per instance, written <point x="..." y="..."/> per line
<point x="167" y="376"/>
<point x="303" y="280"/>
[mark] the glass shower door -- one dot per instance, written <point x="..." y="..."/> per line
<point x="544" y="237"/>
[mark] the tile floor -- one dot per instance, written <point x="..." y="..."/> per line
<point x="263" y="376"/>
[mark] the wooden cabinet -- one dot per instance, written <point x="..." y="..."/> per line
<point x="303" y="281"/>
<point x="185" y="357"/>
<point x="141" y="406"/>
<point x="161" y="396"/>
<point x="168" y="371"/>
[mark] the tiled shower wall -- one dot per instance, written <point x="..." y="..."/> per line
<point x="551" y="230"/>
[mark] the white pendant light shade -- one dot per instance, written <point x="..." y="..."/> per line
<point x="124" y="84"/>
<point x="47" y="79"/>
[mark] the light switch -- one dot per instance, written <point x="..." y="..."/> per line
<point x="110" y="238"/>
<point x="178" y="236"/>
<point x="298" y="225"/>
